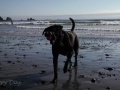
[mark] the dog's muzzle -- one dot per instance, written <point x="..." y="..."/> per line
<point x="50" y="36"/>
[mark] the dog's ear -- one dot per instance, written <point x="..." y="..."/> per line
<point x="43" y="32"/>
<point x="46" y="29"/>
<point x="60" y="27"/>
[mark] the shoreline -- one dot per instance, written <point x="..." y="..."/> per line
<point x="28" y="60"/>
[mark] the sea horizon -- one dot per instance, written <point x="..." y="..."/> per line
<point x="54" y="17"/>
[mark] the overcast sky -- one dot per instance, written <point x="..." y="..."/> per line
<point x="18" y="9"/>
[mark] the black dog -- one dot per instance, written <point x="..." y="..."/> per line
<point x="63" y="42"/>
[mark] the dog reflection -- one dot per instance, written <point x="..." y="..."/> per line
<point x="70" y="85"/>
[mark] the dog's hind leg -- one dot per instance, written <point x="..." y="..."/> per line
<point x="70" y="66"/>
<point x="76" y="50"/>
<point x="68" y="44"/>
<point x="76" y="53"/>
<point x="55" y="65"/>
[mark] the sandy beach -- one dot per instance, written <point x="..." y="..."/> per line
<point x="26" y="63"/>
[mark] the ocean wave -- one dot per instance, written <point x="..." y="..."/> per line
<point x="86" y="23"/>
<point x="29" y="23"/>
<point x="24" y="22"/>
<point x="31" y="27"/>
<point x="88" y="29"/>
<point x="110" y="22"/>
<point x="95" y="34"/>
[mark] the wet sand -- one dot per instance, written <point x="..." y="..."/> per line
<point x="26" y="63"/>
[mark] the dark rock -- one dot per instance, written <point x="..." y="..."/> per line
<point x="106" y="54"/>
<point x="9" y="62"/>
<point x="5" y="54"/>
<point x="37" y="52"/>
<point x="83" y="47"/>
<point x="81" y="56"/>
<point x="8" y="19"/>
<point x="43" y="71"/>
<point x="30" y="19"/>
<point x="88" y="88"/>
<point x="42" y="82"/>
<point x="109" y="75"/>
<point x="93" y="80"/>
<point x="101" y="73"/>
<point x="81" y="76"/>
<point x="109" y="69"/>
<point x="114" y="74"/>
<point x="1" y="19"/>
<point x="24" y="55"/>
<point x="2" y="86"/>
<point x="34" y="65"/>
<point x="108" y="88"/>
<point x="18" y="61"/>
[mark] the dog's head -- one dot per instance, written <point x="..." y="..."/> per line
<point x="53" y="33"/>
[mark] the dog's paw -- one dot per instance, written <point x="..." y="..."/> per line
<point x="65" y="69"/>
<point x="54" y="81"/>
<point x="69" y="70"/>
<point x="75" y="65"/>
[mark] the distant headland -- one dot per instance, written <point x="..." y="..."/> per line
<point x="7" y="19"/>
<point x="10" y="19"/>
<point x="30" y="19"/>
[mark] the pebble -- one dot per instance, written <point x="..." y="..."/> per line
<point x="106" y="54"/>
<point x="108" y="88"/>
<point x="81" y="57"/>
<point x="37" y="52"/>
<point x="5" y="54"/>
<point x="93" y="80"/>
<point x="109" y="69"/>
<point x="34" y="65"/>
<point x="24" y="55"/>
<point x="101" y="73"/>
<point x="8" y="61"/>
<point x="43" y="71"/>
<point x="42" y="82"/>
<point x="81" y="76"/>
<point x="18" y="61"/>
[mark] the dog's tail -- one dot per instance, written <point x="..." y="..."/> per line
<point x="73" y="24"/>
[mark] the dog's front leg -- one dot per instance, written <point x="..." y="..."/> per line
<point x="67" y="62"/>
<point x="55" y="66"/>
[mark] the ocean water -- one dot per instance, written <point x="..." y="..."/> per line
<point x="83" y="28"/>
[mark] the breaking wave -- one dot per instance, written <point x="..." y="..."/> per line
<point x="88" y="29"/>
<point x="83" y="27"/>
<point x="101" y="22"/>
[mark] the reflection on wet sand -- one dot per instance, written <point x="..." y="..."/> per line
<point x="70" y="84"/>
